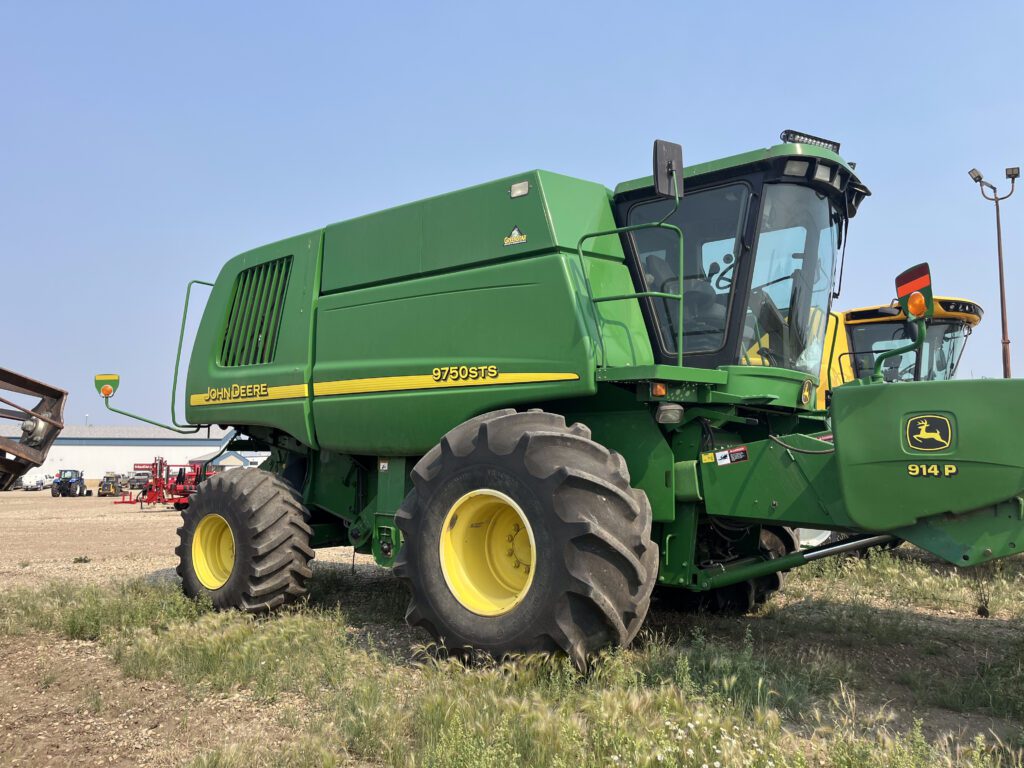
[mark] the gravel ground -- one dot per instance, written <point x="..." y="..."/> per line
<point x="43" y="536"/>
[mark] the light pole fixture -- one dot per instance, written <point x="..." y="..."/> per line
<point x="1012" y="174"/>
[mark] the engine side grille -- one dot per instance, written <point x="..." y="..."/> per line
<point x="254" y="320"/>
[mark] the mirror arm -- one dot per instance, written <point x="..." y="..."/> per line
<point x="919" y="324"/>
<point x="193" y="430"/>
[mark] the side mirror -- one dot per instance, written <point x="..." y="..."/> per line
<point x="668" y="162"/>
<point x="106" y="384"/>
<point x="914" y="292"/>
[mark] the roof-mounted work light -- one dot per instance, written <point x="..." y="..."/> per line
<point x="795" y="137"/>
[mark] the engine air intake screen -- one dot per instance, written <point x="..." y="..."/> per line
<point x="254" y="320"/>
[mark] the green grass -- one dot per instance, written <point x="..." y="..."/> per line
<point x="779" y="689"/>
<point x="902" y="579"/>
<point x="93" y="612"/>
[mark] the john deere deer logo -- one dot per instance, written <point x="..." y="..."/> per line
<point x="929" y="433"/>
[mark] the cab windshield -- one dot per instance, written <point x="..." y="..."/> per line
<point x="712" y="225"/>
<point x="794" y="263"/>
<point x="783" y="322"/>
<point x="937" y="360"/>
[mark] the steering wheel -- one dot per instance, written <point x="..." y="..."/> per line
<point x="723" y="280"/>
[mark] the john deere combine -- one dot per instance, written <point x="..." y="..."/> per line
<point x="537" y="404"/>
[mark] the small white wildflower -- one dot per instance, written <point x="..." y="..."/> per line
<point x="689" y="752"/>
<point x="717" y="764"/>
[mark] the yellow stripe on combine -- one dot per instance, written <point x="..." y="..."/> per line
<point x="257" y="393"/>
<point x="107" y="376"/>
<point x="427" y="381"/>
<point x="248" y="393"/>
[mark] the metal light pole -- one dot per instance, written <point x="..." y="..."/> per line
<point x="1011" y="174"/>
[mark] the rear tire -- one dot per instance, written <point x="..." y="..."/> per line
<point x="593" y="564"/>
<point x="245" y="542"/>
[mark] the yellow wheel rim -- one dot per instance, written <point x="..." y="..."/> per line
<point x="213" y="551"/>
<point x="487" y="552"/>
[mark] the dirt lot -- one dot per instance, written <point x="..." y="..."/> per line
<point x="66" y="703"/>
<point x="44" y="536"/>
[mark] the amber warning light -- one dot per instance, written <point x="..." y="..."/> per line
<point x="106" y="383"/>
<point x="914" y="291"/>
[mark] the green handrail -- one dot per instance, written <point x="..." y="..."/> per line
<point x="182" y="429"/>
<point x="641" y="294"/>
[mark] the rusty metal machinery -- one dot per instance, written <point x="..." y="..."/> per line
<point x="40" y="424"/>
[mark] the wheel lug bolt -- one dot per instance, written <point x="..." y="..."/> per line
<point x="510" y="552"/>
<point x="517" y="564"/>
<point x="509" y="538"/>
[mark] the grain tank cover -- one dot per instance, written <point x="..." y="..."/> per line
<point x="501" y="220"/>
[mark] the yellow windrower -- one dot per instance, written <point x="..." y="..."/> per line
<point x="854" y="335"/>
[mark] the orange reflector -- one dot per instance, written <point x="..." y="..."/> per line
<point x="107" y="390"/>
<point x="658" y="389"/>
<point x="916" y="304"/>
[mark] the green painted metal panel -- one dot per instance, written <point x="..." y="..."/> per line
<point x="978" y="467"/>
<point x="622" y="337"/>
<point x="619" y="422"/>
<point x="664" y="373"/>
<point x="398" y="365"/>
<point x="271" y="393"/>
<point x="762" y="481"/>
<point x="687" y="482"/>
<point x="469" y="227"/>
<point x="972" y="538"/>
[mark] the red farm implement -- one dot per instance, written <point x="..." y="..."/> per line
<point x="168" y="483"/>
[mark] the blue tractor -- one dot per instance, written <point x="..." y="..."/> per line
<point x="69" y="482"/>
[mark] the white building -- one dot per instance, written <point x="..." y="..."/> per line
<point x="96" y="449"/>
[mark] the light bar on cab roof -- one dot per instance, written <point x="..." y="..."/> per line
<point x="795" y="137"/>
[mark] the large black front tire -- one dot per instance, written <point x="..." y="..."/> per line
<point x="270" y="542"/>
<point x="594" y="562"/>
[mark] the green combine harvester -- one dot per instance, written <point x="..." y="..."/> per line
<point x="539" y="399"/>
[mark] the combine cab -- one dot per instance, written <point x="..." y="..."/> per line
<point x="41" y="422"/>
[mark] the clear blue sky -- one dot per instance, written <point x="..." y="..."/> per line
<point x="143" y="145"/>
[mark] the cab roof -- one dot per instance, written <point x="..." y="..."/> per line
<point x="752" y="158"/>
<point x="946" y="308"/>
